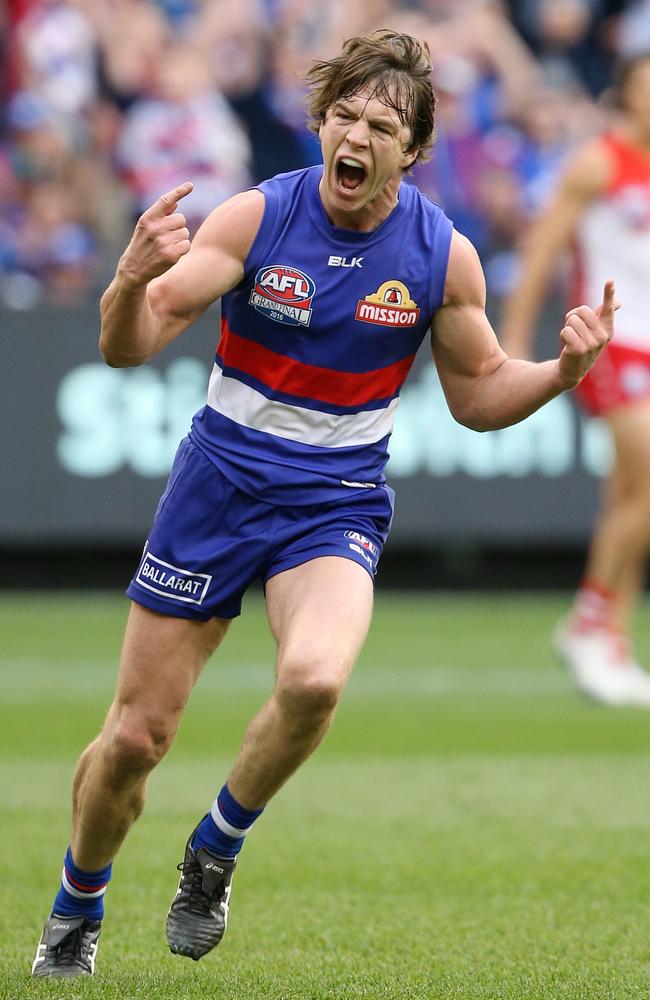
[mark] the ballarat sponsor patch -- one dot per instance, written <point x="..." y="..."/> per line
<point x="172" y="581"/>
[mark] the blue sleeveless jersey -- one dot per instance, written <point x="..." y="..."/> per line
<point x="316" y="341"/>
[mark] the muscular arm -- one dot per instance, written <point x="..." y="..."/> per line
<point x="585" y="179"/>
<point x="163" y="283"/>
<point x="484" y="388"/>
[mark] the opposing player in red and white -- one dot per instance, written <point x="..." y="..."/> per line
<point x="602" y="209"/>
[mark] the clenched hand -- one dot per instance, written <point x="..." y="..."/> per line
<point x="584" y="335"/>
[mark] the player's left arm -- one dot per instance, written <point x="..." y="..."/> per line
<point x="484" y="388"/>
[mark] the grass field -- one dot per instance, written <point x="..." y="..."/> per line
<point x="471" y="828"/>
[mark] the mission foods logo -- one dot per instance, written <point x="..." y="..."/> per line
<point x="390" y="305"/>
<point x="284" y="294"/>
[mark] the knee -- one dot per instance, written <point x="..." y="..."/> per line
<point x="309" y="687"/>
<point x="135" y="745"/>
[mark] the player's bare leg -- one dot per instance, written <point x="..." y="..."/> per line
<point x="161" y="660"/>
<point x="319" y="614"/>
<point x="620" y="546"/>
<point x="600" y="564"/>
<point x="596" y="644"/>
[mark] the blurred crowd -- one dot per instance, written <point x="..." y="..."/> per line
<point x="108" y="103"/>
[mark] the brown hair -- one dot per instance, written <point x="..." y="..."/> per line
<point x="399" y="69"/>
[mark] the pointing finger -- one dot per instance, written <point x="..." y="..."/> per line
<point x="167" y="202"/>
<point x="608" y="305"/>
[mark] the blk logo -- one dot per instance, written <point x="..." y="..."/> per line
<point x="344" y="262"/>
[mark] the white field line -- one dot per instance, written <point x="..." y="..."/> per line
<point x="25" y="680"/>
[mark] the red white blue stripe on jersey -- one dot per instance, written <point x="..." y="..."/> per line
<point x="237" y="401"/>
<point x="280" y="373"/>
<point x="280" y="395"/>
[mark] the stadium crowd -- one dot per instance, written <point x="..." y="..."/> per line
<point x="107" y="103"/>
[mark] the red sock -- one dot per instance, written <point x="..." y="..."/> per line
<point x="592" y="608"/>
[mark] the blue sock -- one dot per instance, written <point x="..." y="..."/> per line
<point x="81" y="893"/>
<point x="223" y="830"/>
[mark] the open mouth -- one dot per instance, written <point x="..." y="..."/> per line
<point x="350" y="173"/>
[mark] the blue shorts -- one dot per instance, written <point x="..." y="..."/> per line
<point x="209" y="540"/>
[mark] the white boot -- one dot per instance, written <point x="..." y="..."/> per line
<point x="601" y="665"/>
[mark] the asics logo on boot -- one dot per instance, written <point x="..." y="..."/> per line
<point x="213" y="868"/>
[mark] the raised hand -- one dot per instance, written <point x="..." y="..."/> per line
<point x="584" y="334"/>
<point x="159" y="240"/>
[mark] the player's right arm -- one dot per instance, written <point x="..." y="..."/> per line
<point x="585" y="180"/>
<point x="164" y="281"/>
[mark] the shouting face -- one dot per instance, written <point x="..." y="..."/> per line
<point x="366" y="149"/>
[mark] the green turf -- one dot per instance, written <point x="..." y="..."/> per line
<point x="520" y="868"/>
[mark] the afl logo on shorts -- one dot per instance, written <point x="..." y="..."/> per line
<point x="361" y="540"/>
<point x="284" y="294"/>
<point x="390" y="305"/>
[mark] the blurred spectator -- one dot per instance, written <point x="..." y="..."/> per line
<point x="183" y="130"/>
<point x="5" y="63"/>
<point x="109" y="102"/>
<point x="99" y="190"/>
<point x="236" y="39"/>
<point x="131" y="36"/>
<point x="633" y="35"/>
<point x="57" y="56"/>
<point x="552" y="120"/>
<point x="482" y="75"/>
<point x="37" y="147"/>
<point x="568" y="38"/>
<point x="235" y="35"/>
<point x="46" y="248"/>
<point x="180" y="12"/>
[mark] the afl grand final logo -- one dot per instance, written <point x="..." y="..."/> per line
<point x="284" y="294"/>
<point x="390" y="305"/>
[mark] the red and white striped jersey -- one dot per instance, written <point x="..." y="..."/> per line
<point x="613" y="241"/>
